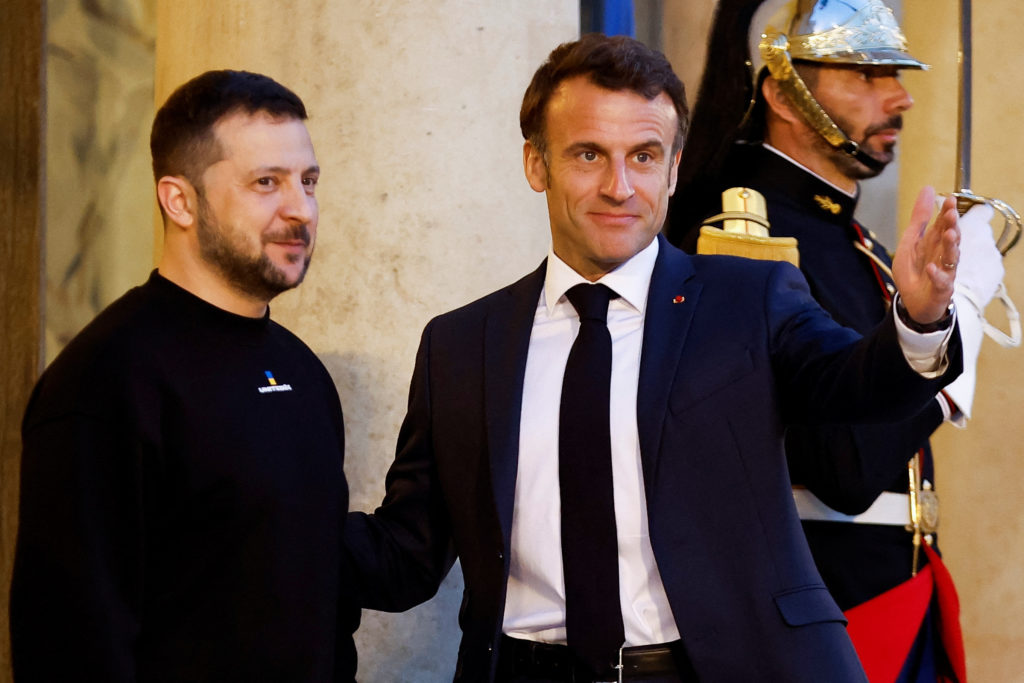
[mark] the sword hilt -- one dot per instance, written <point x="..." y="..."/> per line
<point x="1012" y="223"/>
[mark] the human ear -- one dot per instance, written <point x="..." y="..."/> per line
<point x="177" y="198"/>
<point x="777" y="101"/>
<point x="535" y="167"/>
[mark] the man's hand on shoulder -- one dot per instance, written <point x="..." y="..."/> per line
<point x="924" y="266"/>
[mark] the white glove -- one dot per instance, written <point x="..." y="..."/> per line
<point x="981" y="265"/>
<point x="971" y="334"/>
<point x="978" y="276"/>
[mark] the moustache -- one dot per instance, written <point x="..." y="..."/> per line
<point x="894" y="122"/>
<point x="291" y="233"/>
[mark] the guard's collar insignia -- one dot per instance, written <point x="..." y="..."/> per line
<point x="827" y="204"/>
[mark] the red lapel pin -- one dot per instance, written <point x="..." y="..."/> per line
<point x="679" y="299"/>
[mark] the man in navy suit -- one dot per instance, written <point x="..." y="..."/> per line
<point x="711" y="357"/>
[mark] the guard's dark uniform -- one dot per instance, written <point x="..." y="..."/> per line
<point x="847" y="467"/>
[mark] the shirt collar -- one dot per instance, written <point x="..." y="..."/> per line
<point x="631" y="280"/>
<point x="852" y="195"/>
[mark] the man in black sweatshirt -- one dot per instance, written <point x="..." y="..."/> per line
<point x="182" y="492"/>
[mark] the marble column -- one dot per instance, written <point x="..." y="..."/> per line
<point x="99" y="187"/>
<point x="414" y="116"/>
<point x="978" y="469"/>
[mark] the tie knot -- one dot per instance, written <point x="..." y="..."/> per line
<point x="591" y="301"/>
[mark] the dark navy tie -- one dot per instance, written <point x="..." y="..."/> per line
<point x="590" y="553"/>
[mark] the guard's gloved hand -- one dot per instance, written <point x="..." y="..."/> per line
<point x="981" y="265"/>
<point x="977" y="278"/>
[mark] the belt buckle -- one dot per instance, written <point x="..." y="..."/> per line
<point x="619" y="668"/>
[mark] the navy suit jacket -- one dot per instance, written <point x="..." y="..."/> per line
<point x="745" y="352"/>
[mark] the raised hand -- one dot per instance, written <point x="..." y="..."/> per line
<point x="924" y="266"/>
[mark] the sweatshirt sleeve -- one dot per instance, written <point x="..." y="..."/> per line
<point x="77" y="582"/>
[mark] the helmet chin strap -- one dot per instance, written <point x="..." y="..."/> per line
<point x="775" y="52"/>
<point x="855" y="151"/>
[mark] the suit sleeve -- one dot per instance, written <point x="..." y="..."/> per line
<point x="827" y="374"/>
<point x="847" y="467"/>
<point x="848" y="457"/>
<point x="398" y="556"/>
<point x="77" y="583"/>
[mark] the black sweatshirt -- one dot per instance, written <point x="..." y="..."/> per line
<point x="182" y="503"/>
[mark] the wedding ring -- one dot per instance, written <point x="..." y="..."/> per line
<point x="949" y="266"/>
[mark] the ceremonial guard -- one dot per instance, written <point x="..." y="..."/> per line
<point x="820" y="110"/>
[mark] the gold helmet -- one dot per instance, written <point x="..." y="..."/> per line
<point x="828" y="32"/>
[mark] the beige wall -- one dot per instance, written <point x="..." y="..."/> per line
<point x="979" y="469"/>
<point x="414" y="115"/>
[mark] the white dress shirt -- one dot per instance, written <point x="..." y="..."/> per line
<point x="535" y="601"/>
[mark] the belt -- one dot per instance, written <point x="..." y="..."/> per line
<point x="890" y="509"/>
<point x="531" y="659"/>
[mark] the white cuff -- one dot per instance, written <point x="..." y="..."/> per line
<point x="951" y="412"/>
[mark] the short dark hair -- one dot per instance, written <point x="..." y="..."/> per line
<point x="611" y="62"/>
<point x="182" y="141"/>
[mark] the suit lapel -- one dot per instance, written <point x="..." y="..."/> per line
<point x="506" y="343"/>
<point x="671" y="302"/>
